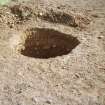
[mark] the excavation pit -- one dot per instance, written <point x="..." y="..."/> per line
<point x="47" y="43"/>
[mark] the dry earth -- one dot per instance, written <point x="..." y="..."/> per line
<point x="67" y="65"/>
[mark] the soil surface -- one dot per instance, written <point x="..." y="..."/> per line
<point x="64" y="65"/>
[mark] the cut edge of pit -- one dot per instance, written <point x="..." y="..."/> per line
<point x="19" y="42"/>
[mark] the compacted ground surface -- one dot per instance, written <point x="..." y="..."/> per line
<point x="52" y="52"/>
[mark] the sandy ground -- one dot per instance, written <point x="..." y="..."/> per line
<point x="77" y="78"/>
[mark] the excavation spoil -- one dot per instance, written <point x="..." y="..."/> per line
<point x="59" y="17"/>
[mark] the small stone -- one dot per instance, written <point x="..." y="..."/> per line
<point x="40" y="13"/>
<point x="100" y="37"/>
<point x="58" y="7"/>
<point x="48" y="102"/>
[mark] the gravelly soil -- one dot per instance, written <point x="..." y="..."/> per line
<point x="77" y="78"/>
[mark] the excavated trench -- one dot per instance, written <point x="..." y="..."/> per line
<point x="47" y="43"/>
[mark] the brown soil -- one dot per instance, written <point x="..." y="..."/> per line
<point x="70" y="34"/>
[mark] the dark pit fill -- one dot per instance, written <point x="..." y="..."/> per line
<point x="47" y="43"/>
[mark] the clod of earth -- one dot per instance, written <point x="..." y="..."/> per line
<point x="22" y="13"/>
<point x="47" y="43"/>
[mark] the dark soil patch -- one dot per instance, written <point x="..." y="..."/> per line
<point x="59" y="17"/>
<point x="47" y="43"/>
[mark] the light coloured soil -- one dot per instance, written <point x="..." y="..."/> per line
<point x="77" y="78"/>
